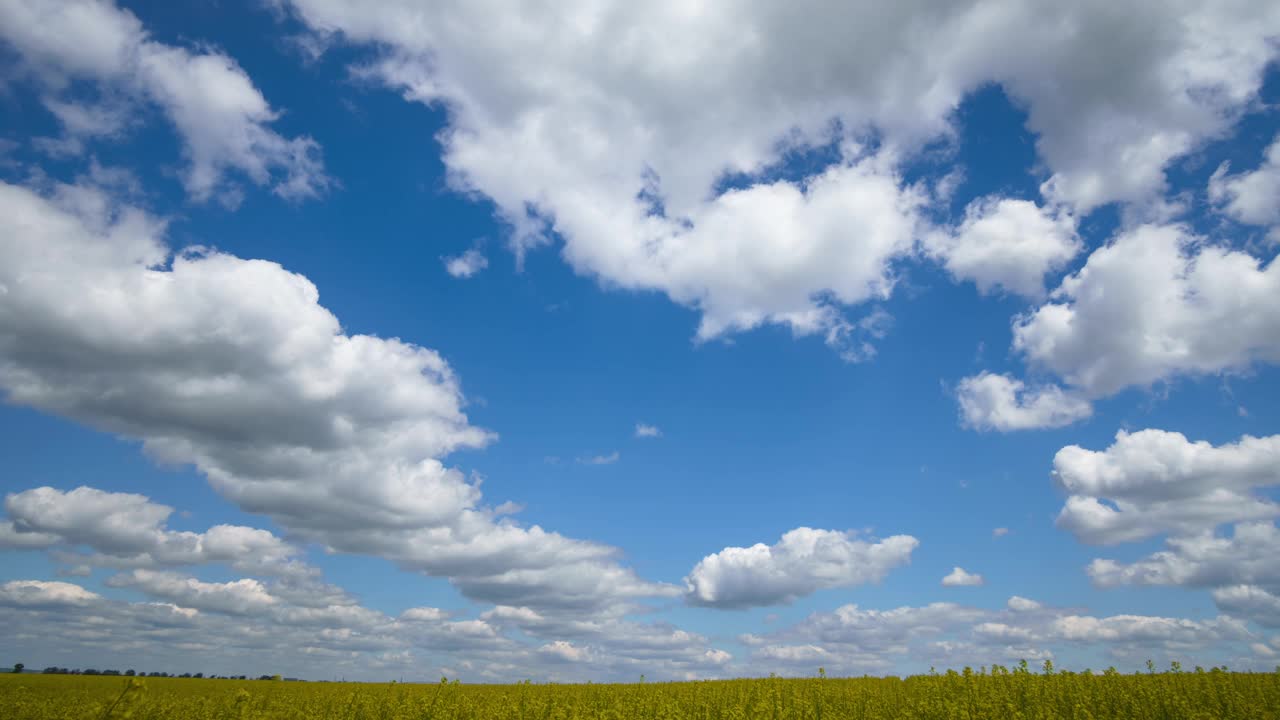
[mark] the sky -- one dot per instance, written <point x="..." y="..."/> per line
<point x="592" y="340"/>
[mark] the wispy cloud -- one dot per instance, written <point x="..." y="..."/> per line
<point x="647" y="431"/>
<point x="609" y="459"/>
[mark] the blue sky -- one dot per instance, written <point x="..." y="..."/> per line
<point x="891" y="303"/>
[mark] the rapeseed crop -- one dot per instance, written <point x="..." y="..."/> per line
<point x="972" y="695"/>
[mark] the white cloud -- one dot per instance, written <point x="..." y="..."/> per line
<point x="1000" y="402"/>
<point x="802" y="562"/>
<point x="1203" y="560"/>
<point x="467" y="264"/>
<point x="647" y="431"/>
<point x="233" y="366"/>
<point x="38" y="593"/>
<point x="1156" y="303"/>
<point x="959" y="577"/>
<point x="128" y="530"/>
<point x="1251" y="197"/>
<point x="609" y="459"/>
<point x="1006" y="244"/>
<point x="1021" y="604"/>
<point x="1154" y="481"/>
<point x="999" y="532"/>
<point x="221" y="117"/>
<point x="1249" y="601"/>
<point x="1143" y="629"/>
<point x="614" y="128"/>
<point x="851" y="639"/>
<point x="565" y="651"/>
<point x="237" y="597"/>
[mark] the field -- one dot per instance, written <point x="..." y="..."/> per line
<point x="1004" y="694"/>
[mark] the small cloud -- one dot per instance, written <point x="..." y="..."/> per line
<point x="601" y="459"/>
<point x="959" y="577"/>
<point x="508" y="508"/>
<point x="467" y="264"/>
<point x="647" y="431"/>
<point x="1000" y="532"/>
<point x="551" y="459"/>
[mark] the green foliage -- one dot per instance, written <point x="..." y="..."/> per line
<point x="1002" y="693"/>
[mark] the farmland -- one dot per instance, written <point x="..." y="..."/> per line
<point x="999" y="693"/>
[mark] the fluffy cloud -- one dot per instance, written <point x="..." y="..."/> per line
<point x="1158" y="302"/>
<point x="1000" y="402"/>
<point x="1249" y="601"/>
<point x="1147" y="630"/>
<point x="38" y="593"/>
<point x="233" y="366"/>
<point x="959" y="577"/>
<point x="1007" y="245"/>
<point x="656" y="143"/>
<point x="128" y="530"/>
<point x="467" y="264"/>
<point x="1252" y="197"/>
<point x="1203" y="560"/>
<point x="237" y="597"/>
<point x="220" y="115"/>
<point x="1155" y="481"/>
<point x="802" y="562"/>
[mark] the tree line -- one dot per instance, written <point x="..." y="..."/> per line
<point x="51" y="670"/>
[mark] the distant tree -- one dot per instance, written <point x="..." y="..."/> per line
<point x="130" y="672"/>
<point x="89" y="671"/>
<point x="198" y="675"/>
<point x="19" y="667"/>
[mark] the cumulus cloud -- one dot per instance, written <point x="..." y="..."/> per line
<point x="1251" y="197"/>
<point x="466" y="265"/>
<point x="128" y="530"/>
<point x="221" y="117"/>
<point x="652" y="143"/>
<point x="249" y="623"/>
<point x="1156" y="303"/>
<point x="38" y="593"/>
<point x="1202" y="560"/>
<point x="1000" y="402"/>
<point x="854" y="639"/>
<point x="233" y="366"/>
<point x="1008" y="245"/>
<point x="959" y="577"/>
<point x="237" y="597"/>
<point x="802" y="562"/>
<point x="1147" y="630"/>
<point x="1249" y="601"/>
<point x="1155" y="481"/>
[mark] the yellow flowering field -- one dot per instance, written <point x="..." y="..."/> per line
<point x="1000" y="693"/>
